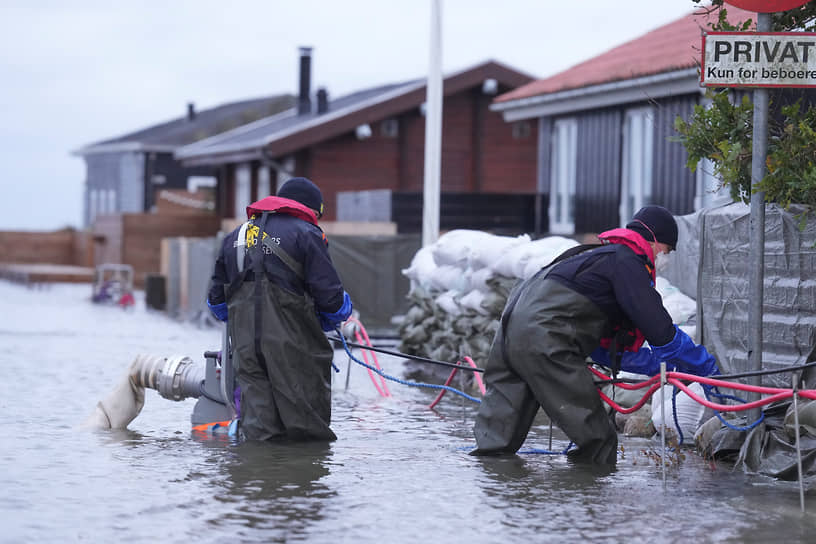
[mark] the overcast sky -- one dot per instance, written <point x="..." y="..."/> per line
<point x="72" y="73"/>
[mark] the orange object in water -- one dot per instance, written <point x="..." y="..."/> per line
<point x="211" y="427"/>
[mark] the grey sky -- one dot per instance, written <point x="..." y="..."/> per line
<point x="72" y="73"/>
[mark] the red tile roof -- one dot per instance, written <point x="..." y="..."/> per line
<point x="673" y="46"/>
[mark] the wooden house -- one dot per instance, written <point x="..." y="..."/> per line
<point x="129" y="173"/>
<point x="372" y="142"/>
<point x="607" y="144"/>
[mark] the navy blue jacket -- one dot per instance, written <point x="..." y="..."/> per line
<point x="618" y="281"/>
<point x="305" y="243"/>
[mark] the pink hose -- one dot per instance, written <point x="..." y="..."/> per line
<point x="383" y="391"/>
<point x="479" y="381"/>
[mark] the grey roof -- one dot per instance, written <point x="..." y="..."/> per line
<point x="178" y="132"/>
<point x="259" y="133"/>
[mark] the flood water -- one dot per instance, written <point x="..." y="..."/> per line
<point x="399" y="472"/>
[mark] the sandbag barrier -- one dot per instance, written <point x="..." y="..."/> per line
<point x="460" y="284"/>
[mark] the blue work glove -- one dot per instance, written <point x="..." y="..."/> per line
<point x="642" y="361"/>
<point x="329" y="321"/>
<point x="601" y="356"/>
<point x="687" y="356"/>
<point x="218" y="310"/>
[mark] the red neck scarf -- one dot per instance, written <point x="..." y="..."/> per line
<point x="282" y="205"/>
<point x="633" y="241"/>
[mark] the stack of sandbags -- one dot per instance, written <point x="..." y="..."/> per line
<point x="459" y="286"/>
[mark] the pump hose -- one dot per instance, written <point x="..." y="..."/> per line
<point x="405" y="382"/>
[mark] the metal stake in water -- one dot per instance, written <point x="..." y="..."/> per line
<point x="794" y="386"/>
<point x="663" y="416"/>
<point x="550" y="448"/>
<point x="462" y="387"/>
<point x="348" y="370"/>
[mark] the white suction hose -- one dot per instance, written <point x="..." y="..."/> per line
<point x="175" y="378"/>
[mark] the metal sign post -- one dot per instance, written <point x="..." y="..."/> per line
<point x="756" y="276"/>
<point x="759" y="60"/>
<point x="433" y="132"/>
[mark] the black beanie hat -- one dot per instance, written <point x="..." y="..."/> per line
<point x="303" y="191"/>
<point x="655" y="222"/>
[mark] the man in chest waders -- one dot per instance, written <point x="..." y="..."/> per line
<point x="596" y="301"/>
<point x="276" y="287"/>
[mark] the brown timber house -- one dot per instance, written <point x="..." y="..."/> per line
<point x="366" y="152"/>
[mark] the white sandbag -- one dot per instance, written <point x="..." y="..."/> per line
<point x="477" y="279"/>
<point x="514" y="262"/>
<point x="679" y="306"/>
<point x="489" y="250"/>
<point x="690" y="414"/>
<point x="447" y="302"/>
<point x="546" y="249"/>
<point x="447" y="278"/>
<point x="422" y="268"/>
<point x="454" y="247"/>
<point x="473" y="300"/>
<point x="509" y="261"/>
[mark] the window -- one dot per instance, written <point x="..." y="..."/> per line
<point x="284" y="172"/>
<point x="111" y="207"/>
<point x="242" y="191"/>
<point x="264" y="189"/>
<point x="636" y="177"/>
<point x="93" y="204"/>
<point x="562" y="176"/>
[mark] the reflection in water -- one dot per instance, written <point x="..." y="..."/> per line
<point x="274" y="488"/>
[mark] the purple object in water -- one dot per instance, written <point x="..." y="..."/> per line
<point x="236" y="398"/>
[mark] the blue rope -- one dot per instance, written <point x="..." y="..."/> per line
<point x="713" y="391"/>
<point x="547" y="452"/>
<point x="531" y="450"/>
<point x="674" y="412"/>
<point x="404" y="382"/>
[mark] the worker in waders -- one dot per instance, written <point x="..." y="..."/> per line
<point x="276" y="287"/>
<point x="593" y="300"/>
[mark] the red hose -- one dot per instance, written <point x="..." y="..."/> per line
<point x="479" y="381"/>
<point x="634" y="408"/>
<point x="675" y="378"/>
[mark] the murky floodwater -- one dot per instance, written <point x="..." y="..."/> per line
<point x="398" y="473"/>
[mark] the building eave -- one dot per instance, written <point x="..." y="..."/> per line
<point x="124" y="147"/>
<point x="676" y="82"/>
<point x="210" y="145"/>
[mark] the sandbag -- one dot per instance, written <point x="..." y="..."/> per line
<point x="455" y="247"/>
<point x="690" y="413"/>
<point x="422" y="268"/>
